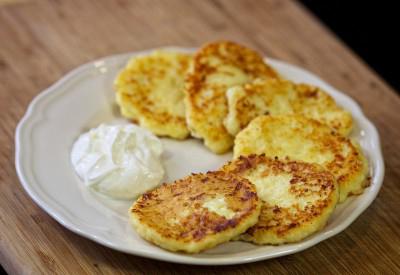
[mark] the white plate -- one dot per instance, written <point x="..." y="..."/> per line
<point x="83" y="99"/>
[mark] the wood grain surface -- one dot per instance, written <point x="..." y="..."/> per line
<point x="42" y="40"/>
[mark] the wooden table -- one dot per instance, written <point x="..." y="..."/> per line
<point x="42" y="40"/>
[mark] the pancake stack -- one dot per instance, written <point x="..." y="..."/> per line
<point x="293" y="158"/>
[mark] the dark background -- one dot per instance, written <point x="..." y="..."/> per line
<point x="370" y="28"/>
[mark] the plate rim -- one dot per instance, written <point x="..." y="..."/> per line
<point x="186" y="258"/>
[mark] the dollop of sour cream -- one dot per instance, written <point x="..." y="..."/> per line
<point x="120" y="161"/>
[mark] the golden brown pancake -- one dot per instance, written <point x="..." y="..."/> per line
<point x="196" y="212"/>
<point x="216" y="67"/>
<point x="283" y="97"/>
<point x="298" y="198"/>
<point x="308" y="140"/>
<point x="150" y="92"/>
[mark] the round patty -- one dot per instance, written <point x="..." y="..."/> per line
<point x="298" y="198"/>
<point x="307" y="140"/>
<point x="196" y="212"/>
<point x="283" y="97"/>
<point x="150" y="92"/>
<point x="216" y="67"/>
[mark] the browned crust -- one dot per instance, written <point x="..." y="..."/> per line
<point x="234" y="54"/>
<point x="201" y="110"/>
<point x="137" y="96"/>
<point x="346" y="168"/>
<point x="145" y="107"/>
<point x="306" y="97"/>
<point x="307" y="179"/>
<point x="352" y="161"/>
<point x="167" y="202"/>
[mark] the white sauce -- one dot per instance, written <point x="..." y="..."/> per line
<point x="120" y="161"/>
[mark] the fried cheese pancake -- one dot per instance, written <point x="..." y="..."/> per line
<point x="297" y="197"/>
<point x="281" y="97"/>
<point x="196" y="212"/>
<point x="216" y="67"/>
<point x="150" y="92"/>
<point x="303" y="139"/>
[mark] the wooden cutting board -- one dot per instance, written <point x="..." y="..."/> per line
<point x="42" y="40"/>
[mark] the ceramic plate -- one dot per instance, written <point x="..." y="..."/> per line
<point x="83" y="99"/>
